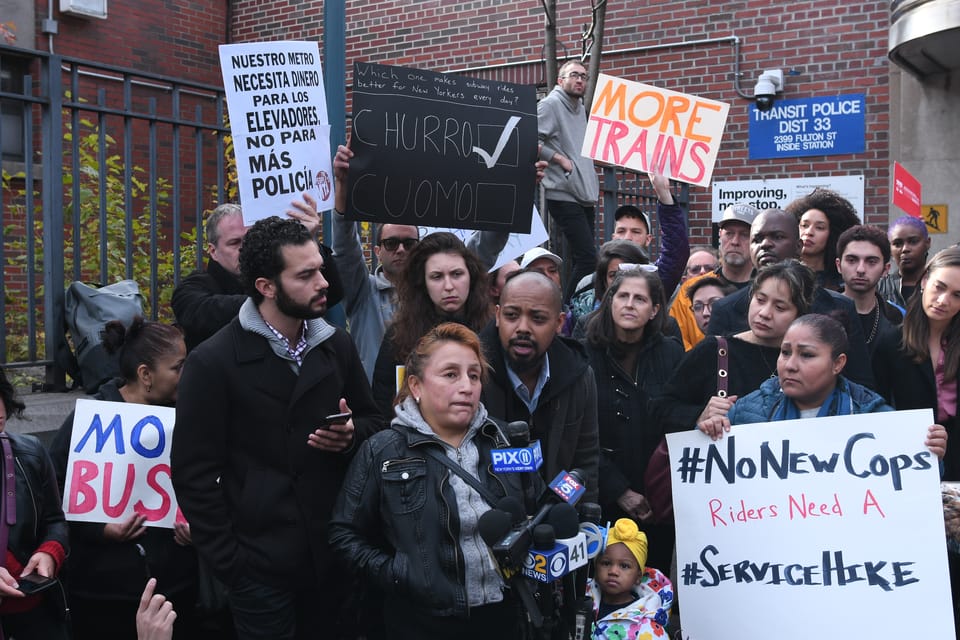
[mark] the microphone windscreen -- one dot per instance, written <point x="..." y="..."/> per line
<point x="512" y="506"/>
<point x="564" y="520"/>
<point x="544" y="537"/>
<point x="591" y="512"/>
<point x="493" y="525"/>
<point x="518" y="433"/>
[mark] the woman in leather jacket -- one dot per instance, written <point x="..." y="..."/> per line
<point x="408" y="523"/>
<point x="36" y="539"/>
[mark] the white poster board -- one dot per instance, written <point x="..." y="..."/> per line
<point x="119" y="464"/>
<point x="779" y="192"/>
<point x="278" y="120"/>
<point x="517" y="245"/>
<point x="824" y="527"/>
<point x="646" y="128"/>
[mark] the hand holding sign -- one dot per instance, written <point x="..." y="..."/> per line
<point x="130" y="529"/>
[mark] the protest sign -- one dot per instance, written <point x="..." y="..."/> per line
<point x="278" y="120"/>
<point x="646" y="128"/>
<point x="517" y="244"/>
<point x="818" y="527"/>
<point x="119" y="464"/>
<point x="777" y="193"/>
<point x="441" y="150"/>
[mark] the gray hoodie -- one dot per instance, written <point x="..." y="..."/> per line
<point x="482" y="582"/>
<point x="561" y="125"/>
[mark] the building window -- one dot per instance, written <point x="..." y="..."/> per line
<point x="12" y="71"/>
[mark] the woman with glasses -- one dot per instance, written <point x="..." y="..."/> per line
<point x="779" y="294"/>
<point x="631" y="358"/>
<point x="703" y="293"/>
<point x="442" y="281"/>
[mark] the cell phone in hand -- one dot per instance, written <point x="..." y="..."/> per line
<point x="336" y="418"/>
<point x="34" y="583"/>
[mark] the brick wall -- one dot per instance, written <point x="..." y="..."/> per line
<point x="168" y="37"/>
<point x="835" y="48"/>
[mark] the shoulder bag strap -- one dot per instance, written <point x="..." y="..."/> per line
<point x="442" y="458"/>
<point x="723" y="366"/>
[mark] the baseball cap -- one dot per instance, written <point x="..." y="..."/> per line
<point x="739" y="212"/>
<point x="536" y="254"/>
<point x="634" y="212"/>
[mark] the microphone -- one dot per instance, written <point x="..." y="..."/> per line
<point x="558" y="547"/>
<point x="514" y="508"/>
<point x="568" y="486"/>
<point x="596" y="533"/>
<point x="522" y="456"/>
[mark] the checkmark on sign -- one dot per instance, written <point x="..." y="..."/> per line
<point x="491" y="160"/>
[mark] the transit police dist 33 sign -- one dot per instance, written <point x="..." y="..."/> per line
<point x="824" y="126"/>
<point x="823" y="527"/>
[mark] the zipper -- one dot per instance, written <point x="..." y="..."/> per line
<point x="456" y="547"/>
<point x="389" y="463"/>
<point x="33" y="498"/>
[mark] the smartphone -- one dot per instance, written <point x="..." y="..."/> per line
<point x="337" y="418"/>
<point x="34" y="583"/>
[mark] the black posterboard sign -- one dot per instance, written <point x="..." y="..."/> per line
<point x="441" y="150"/>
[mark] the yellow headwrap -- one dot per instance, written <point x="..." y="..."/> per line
<point x="625" y="531"/>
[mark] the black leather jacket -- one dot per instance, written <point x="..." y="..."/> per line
<point x="396" y="519"/>
<point x="39" y="515"/>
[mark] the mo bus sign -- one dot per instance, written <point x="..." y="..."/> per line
<point x="119" y="464"/>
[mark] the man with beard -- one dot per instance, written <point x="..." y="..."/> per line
<point x="734" y="271"/>
<point x="207" y="299"/>
<point x="542" y="378"/>
<point x="775" y="237"/>
<point x="256" y="464"/>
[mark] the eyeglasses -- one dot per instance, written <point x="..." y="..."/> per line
<point x="576" y="75"/>
<point x="700" y="268"/>
<point x="392" y="244"/>
<point x="700" y="307"/>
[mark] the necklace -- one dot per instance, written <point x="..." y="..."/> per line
<point x="876" y="322"/>
<point x="766" y="363"/>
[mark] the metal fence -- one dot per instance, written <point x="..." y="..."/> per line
<point x="107" y="172"/>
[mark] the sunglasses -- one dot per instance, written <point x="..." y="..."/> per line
<point x="628" y="266"/>
<point x="701" y="268"/>
<point x="392" y="244"/>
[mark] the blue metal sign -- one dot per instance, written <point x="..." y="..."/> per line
<point x="810" y="127"/>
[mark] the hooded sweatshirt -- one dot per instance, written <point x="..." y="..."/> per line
<point x="482" y="582"/>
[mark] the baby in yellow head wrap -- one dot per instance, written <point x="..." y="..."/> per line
<point x="628" y="597"/>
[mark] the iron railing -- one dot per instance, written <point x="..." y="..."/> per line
<point x="117" y="169"/>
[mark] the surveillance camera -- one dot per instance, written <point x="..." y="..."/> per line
<point x="766" y="89"/>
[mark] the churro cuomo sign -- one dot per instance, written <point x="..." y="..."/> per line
<point x="838" y="518"/>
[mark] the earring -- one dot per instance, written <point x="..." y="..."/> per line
<point x="417" y="400"/>
<point x="149" y="387"/>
